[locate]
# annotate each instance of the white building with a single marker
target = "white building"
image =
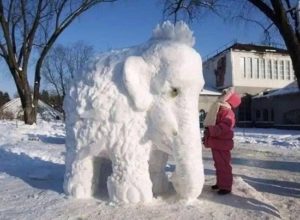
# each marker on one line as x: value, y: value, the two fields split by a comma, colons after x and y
x: 249, y: 68
x: 252, y: 70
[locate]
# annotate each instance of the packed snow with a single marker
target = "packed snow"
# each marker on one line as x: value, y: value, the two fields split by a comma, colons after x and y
x: 265, y: 164
x: 137, y: 107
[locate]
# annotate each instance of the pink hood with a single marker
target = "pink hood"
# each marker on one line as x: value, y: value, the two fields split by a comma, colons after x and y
x: 234, y: 100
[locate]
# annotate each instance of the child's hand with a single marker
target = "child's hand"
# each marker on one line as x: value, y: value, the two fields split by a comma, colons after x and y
x: 205, y: 136
x: 206, y: 132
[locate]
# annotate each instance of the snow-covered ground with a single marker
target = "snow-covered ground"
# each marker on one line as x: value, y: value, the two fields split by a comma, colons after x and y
x: 266, y: 164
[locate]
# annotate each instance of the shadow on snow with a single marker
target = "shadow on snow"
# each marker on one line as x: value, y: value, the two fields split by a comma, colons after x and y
x: 278, y: 187
x: 282, y: 188
x: 268, y: 164
x: 56, y: 139
x: 237, y: 201
x: 37, y: 173
x: 265, y: 164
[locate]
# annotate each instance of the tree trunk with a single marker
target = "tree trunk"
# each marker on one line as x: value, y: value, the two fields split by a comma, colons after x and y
x: 295, y: 56
x: 28, y: 107
x: 289, y: 36
x: 277, y: 14
x: 29, y: 110
x: 29, y: 116
x: 292, y: 44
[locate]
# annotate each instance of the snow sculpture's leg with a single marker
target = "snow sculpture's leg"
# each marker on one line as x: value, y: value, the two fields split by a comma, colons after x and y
x: 157, y: 163
x: 130, y: 181
x: 79, y: 179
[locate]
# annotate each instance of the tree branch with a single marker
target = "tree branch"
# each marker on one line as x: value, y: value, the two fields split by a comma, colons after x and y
x: 64, y: 24
x: 27, y: 43
x: 264, y: 8
x: 11, y: 59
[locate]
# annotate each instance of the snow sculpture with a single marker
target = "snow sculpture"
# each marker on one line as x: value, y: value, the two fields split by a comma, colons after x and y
x: 136, y: 107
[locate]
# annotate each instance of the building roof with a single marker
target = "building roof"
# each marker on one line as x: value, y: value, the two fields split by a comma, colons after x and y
x: 210, y: 91
x: 257, y: 48
x: 251, y: 90
x: 289, y: 89
x: 250, y: 48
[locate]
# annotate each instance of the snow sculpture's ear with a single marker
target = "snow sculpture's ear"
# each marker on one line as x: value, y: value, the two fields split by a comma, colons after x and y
x: 137, y: 77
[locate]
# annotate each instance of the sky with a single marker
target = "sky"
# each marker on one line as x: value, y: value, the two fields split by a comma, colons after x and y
x: 130, y: 22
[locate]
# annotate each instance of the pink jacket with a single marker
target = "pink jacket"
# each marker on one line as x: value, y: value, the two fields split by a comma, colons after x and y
x: 220, y: 136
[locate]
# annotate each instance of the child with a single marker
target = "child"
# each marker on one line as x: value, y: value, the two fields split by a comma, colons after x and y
x: 218, y: 135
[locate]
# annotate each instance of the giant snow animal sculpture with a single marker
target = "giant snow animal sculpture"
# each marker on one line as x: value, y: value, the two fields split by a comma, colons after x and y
x: 136, y: 107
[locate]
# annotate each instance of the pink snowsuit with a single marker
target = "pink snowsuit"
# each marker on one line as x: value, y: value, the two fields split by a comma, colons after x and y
x: 219, y: 138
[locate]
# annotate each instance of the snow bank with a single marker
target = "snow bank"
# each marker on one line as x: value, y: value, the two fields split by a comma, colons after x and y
x: 44, y: 111
x: 269, y: 139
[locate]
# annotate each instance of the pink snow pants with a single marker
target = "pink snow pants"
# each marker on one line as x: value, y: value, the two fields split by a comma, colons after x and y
x: 222, y: 159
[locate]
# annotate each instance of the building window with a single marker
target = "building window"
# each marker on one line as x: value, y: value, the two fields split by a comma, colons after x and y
x: 243, y: 66
x: 275, y: 69
x: 288, y: 69
x: 244, y: 110
x: 269, y: 69
x: 249, y: 67
x: 281, y: 69
x: 256, y: 67
x: 265, y: 115
x: 263, y: 68
x: 272, y: 115
x: 257, y: 114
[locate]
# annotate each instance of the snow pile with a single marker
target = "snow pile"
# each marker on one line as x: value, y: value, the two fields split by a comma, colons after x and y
x: 45, y: 111
x: 136, y: 107
x: 289, y: 89
x: 44, y: 140
x: 269, y: 138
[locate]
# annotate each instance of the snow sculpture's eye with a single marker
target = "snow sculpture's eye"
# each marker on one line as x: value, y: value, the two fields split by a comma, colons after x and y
x: 174, y: 92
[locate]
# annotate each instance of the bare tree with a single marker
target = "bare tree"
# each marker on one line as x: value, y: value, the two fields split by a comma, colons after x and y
x: 31, y: 27
x: 190, y: 9
x: 4, y: 98
x: 282, y: 14
x: 63, y: 63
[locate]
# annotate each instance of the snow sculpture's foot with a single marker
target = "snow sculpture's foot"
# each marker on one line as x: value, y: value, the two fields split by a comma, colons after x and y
x: 130, y: 182
x: 78, y: 182
x: 125, y: 192
x: 186, y: 189
x: 80, y: 192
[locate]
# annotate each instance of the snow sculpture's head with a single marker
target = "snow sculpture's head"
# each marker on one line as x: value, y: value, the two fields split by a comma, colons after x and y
x: 142, y: 106
x: 166, y: 79
x: 167, y: 68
